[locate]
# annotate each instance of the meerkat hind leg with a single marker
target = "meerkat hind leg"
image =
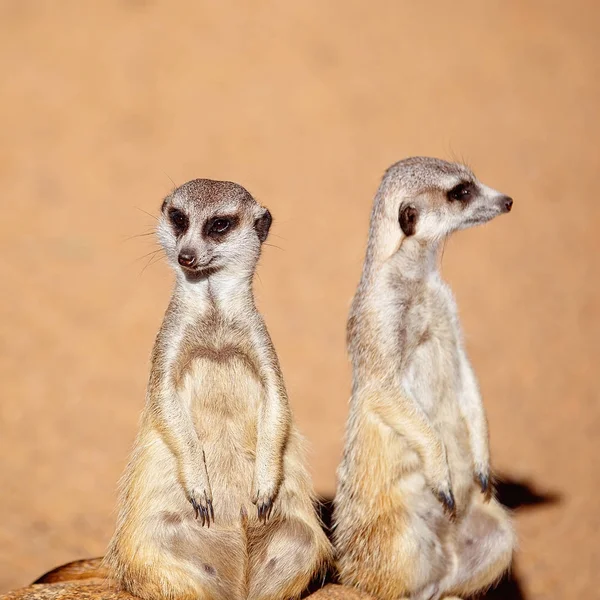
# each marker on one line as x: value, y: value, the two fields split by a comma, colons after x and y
x: 484, y: 545
x: 284, y: 557
x: 212, y: 559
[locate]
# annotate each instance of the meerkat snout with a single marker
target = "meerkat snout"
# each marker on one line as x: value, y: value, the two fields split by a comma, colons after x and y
x: 187, y: 258
x: 507, y: 203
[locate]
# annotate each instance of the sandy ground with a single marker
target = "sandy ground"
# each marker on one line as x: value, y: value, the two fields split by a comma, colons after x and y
x: 305, y: 103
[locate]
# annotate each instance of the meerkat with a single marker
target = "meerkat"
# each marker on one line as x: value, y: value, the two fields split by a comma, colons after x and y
x: 414, y: 514
x: 216, y: 502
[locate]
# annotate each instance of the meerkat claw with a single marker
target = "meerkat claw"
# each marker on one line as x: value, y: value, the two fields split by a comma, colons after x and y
x: 485, y: 484
x: 447, y: 500
x: 211, y: 509
x: 264, y: 510
x: 195, y: 506
x: 202, y: 512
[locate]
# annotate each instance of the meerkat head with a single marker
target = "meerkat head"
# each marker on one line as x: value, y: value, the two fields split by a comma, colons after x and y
x: 427, y: 199
x: 209, y: 226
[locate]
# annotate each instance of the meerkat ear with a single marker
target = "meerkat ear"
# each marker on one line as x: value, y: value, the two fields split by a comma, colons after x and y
x: 408, y: 220
x: 263, y: 224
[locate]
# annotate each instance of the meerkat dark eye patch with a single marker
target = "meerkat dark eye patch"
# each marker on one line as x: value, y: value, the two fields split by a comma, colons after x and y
x: 218, y: 227
x: 408, y: 220
x: 179, y: 221
x: 463, y: 192
x: 262, y: 225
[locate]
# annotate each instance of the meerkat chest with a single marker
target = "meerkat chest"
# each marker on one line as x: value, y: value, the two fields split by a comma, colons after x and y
x: 219, y: 380
x: 431, y: 373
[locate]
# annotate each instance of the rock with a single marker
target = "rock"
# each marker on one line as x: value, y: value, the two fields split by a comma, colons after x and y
x: 78, y: 589
x: 88, y: 568
x: 88, y: 580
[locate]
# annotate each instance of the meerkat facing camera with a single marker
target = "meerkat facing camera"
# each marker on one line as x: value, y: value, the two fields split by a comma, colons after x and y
x: 414, y: 512
x: 216, y: 434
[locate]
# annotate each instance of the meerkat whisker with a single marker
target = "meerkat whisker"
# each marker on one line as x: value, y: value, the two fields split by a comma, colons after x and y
x: 139, y: 235
x: 153, y: 260
x: 151, y: 253
x: 274, y: 246
x: 171, y: 180
x: 146, y: 213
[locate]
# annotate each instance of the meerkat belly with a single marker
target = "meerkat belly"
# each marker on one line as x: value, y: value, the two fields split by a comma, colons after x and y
x: 429, y: 376
x: 433, y: 380
x: 224, y: 399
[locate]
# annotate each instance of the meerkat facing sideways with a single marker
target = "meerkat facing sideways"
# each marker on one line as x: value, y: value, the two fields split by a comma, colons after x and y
x: 216, y: 433
x: 414, y: 512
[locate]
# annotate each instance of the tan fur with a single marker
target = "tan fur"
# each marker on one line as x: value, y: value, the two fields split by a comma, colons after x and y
x: 216, y: 431
x: 409, y: 518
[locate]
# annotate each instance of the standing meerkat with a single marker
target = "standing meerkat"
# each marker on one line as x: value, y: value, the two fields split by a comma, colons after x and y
x: 414, y: 513
x: 216, y: 435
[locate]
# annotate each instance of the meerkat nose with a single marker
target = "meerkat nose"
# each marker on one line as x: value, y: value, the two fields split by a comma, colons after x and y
x: 508, y: 202
x: 187, y: 259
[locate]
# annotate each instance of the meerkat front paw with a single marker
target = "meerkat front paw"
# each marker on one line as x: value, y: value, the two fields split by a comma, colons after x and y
x: 198, y: 489
x: 438, y: 476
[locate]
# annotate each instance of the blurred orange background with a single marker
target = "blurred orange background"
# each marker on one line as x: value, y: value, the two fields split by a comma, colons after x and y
x: 104, y: 104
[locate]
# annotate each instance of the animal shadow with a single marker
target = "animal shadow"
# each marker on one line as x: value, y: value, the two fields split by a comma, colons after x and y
x: 515, y: 495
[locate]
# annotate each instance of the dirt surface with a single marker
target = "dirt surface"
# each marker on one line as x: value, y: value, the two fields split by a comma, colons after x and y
x: 304, y: 103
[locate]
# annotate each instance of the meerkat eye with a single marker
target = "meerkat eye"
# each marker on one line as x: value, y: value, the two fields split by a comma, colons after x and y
x: 217, y: 227
x: 462, y: 192
x: 220, y: 226
x: 179, y: 220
